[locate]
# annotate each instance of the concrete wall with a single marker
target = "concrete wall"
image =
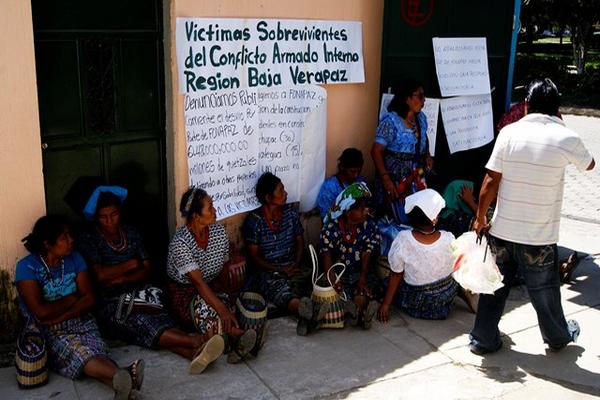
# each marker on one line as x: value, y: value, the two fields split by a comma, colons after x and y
x: 352, y: 108
x: 21, y: 180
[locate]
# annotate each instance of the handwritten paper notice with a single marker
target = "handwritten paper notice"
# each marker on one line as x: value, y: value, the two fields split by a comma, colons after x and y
x: 228, y: 53
x: 462, y: 66
x: 467, y: 121
x: 235, y: 135
x: 431, y: 111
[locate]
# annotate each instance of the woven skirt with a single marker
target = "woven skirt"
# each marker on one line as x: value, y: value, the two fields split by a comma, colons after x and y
x: 430, y: 301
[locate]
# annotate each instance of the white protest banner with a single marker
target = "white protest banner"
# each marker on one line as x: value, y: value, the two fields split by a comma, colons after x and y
x: 462, y: 66
x: 386, y: 99
x: 229, y: 53
x: 235, y: 135
x: 431, y: 111
x: 467, y: 121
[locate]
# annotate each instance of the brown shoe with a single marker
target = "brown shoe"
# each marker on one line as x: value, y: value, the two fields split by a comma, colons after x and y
x: 206, y: 354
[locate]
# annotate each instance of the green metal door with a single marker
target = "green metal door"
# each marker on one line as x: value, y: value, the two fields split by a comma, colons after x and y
x: 409, y: 26
x: 100, y: 90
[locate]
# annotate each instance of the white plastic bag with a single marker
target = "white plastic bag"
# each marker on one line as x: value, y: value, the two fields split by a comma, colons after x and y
x: 475, y: 267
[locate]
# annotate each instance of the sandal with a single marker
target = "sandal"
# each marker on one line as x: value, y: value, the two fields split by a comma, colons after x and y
x: 351, y: 313
x: 567, y: 268
x: 305, y: 314
x: 206, y: 354
x: 245, y: 343
x: 136, y: 371
x: 122, y: 385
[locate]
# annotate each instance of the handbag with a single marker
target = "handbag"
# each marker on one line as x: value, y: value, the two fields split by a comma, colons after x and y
x: 252, y: 314
x: 145, y: 300
x: 326, y: 295
x: 31, y: 358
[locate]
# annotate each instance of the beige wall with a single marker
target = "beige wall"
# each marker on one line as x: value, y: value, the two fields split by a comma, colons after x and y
x: 352, y: 108
x: 21, y: 180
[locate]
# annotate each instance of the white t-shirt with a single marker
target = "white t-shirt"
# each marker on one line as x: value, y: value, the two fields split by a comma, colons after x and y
x: 421, y: 263
x: 531, y: 154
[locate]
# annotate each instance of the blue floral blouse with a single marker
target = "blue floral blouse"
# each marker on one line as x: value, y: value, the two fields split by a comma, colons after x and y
x: 396, y: 137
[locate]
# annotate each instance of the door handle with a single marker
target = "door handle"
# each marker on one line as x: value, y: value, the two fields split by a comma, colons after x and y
x: 44, y: 146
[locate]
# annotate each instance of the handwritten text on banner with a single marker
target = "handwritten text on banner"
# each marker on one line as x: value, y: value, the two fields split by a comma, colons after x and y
x: 235, y: 135
x: 228, y: 53
x: 467, y: 121
x: 462, y: 66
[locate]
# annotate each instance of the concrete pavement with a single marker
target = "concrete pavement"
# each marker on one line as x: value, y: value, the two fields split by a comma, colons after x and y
x: 407, y: 358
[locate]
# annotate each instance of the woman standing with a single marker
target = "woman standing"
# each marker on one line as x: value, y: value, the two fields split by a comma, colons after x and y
x: 400, y: 152
x: 349, y: 236
x: 196, y: 256
x: 121, y: 266
x: 54, y: 288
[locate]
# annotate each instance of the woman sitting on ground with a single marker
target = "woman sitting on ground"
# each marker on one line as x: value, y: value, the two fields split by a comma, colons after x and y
x: 275, y: 246
x: 196, y: 256
x: 350, y: 164
x: 55, y: 290
x: 421, y: 261
x: 350, y: 237
x: 121, y: 267
x: 460, y: 207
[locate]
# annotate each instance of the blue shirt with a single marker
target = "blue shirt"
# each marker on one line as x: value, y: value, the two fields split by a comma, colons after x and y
x: 31, y: 268
x: 330, y: 190
x: 396, y: 137
x: 277, y: 247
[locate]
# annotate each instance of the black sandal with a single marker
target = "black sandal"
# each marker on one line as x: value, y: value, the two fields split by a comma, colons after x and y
x: 136, y: 370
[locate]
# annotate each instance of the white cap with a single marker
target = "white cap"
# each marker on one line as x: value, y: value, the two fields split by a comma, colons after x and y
x: 428, y: 200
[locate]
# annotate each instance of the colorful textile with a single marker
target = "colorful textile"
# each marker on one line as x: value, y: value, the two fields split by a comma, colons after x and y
x: 185, y: 255
x: 54, y: 285
x: 138, y: 328
x: 89, y: 211
x: 96, y: 251
x: 346, y: 199
x: 396, y: 137
x: 329, y: 191
x: 455, y: 204
x: 204, y: 317
x: 276, y: 247
x: 431, y: 301
x: 72, y: 343
x: 278, y: 289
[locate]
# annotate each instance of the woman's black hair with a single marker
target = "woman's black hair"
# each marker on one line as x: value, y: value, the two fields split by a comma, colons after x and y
x: 351, y: 158
x: 542, y: 97
x: 405, y: 89
x: 417, y: 218
x: 361, y: 202
x: 266, y: 185
x: 107, y: 199
x: 46, y: 229
x: 192, y: 202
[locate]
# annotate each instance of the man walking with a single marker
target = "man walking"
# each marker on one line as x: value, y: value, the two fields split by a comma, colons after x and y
x: 526, y: 174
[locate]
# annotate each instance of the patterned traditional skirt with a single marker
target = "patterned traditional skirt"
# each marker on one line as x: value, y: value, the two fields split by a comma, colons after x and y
x: 72, y: 343
x: 279, y: 289
x: 192, y: 311
x: 399, y: 166
x: 431, y: 301
x: 138, y: 328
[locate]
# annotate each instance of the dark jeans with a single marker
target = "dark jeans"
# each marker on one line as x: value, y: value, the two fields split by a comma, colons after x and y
x: 539, y: 268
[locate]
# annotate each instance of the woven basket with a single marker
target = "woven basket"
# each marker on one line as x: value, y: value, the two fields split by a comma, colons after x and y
x: 252, y: 314
x: 31, y: 360
x: 327, y: 295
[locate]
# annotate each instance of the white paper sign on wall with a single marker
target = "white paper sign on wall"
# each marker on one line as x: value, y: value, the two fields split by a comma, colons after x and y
x: 467, y: 121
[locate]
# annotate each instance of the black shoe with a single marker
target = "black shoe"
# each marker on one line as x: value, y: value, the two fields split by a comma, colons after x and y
x: 478, y: 350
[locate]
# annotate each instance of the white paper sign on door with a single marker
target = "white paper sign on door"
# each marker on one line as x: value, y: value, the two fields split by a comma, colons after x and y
x: 467, y: 121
